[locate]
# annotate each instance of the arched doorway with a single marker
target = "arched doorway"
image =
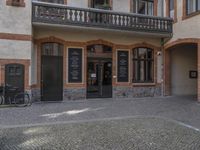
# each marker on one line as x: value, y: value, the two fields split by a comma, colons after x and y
x: 52, y: 72
x: 181, y: 72
x: 99, y: 71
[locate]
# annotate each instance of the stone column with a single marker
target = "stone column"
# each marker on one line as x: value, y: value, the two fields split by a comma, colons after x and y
x: 198, y: 69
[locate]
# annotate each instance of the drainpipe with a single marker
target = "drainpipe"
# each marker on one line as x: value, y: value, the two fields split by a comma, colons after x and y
x: 162, y: 42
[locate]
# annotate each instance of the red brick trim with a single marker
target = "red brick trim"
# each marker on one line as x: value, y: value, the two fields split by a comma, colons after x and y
x: 181, y: 41
x: 19, y: 3
x: 25, y: 62
x: 100, y: 41
x: 155, y: 13
x: 20, y: 37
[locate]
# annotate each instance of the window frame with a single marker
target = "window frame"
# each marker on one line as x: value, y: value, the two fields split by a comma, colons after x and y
x: 64, y: 2
x: 185, y: 15
x: 136, y: 7
x: 91, y: 4
x: 196, y: 8
x: 146, y: 70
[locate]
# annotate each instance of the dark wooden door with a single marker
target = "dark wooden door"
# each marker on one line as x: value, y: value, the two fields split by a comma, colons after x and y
x: 52, y: 78
x: 14, y: 76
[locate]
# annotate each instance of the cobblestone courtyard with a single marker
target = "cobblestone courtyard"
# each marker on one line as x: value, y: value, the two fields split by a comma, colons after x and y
x: 170, y: 123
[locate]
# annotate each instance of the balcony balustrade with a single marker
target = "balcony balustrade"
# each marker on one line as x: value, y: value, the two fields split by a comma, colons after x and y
x: 89, y: 17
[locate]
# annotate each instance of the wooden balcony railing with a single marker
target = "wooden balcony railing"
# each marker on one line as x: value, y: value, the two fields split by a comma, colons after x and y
x: 65, y: 15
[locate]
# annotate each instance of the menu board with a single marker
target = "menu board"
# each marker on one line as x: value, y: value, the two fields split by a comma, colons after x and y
x: 74, y: 65
x: 122, y: 66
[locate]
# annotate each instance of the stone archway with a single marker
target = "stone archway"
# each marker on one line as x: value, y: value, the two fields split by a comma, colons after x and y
x: 181, y: 63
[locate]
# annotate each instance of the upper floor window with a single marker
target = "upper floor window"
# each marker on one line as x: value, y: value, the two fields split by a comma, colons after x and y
x: 192, y: 6
x: 143, y: 65
x: 171, y: 9
x: 145, y: 7
x: 101, y: 4
x: 53, y: 1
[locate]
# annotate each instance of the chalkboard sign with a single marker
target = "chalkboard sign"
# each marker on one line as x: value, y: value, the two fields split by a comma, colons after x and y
x: 122, y: 66
x: 74, y: 65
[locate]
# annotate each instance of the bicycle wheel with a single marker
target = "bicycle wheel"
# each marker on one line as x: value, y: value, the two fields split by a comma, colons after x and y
x: 1, y: 100
x: 21, y: 100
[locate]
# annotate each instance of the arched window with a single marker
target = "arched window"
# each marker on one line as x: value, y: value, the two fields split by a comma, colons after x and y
x: 52, y: 49
x: 143, y: 65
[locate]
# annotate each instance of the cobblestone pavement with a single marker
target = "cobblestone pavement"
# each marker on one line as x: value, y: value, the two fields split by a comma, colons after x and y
x: 183, y: 109
x: 171, y: 123
x: 141, y: 133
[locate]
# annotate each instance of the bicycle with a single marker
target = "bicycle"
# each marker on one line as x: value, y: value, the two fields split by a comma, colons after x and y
x: 13, y: 96
x: 22, y: 99
x: 1, y: 95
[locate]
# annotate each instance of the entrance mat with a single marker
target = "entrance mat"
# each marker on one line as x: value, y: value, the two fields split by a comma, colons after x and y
x: 142, y: 133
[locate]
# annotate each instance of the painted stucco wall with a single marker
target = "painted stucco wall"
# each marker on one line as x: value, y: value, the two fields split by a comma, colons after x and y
x: 12, y: 49
x: 121, y: 5
x: 80, y: 35
x: 183, y: 59
x: 15, y: 20
x: 78, y: 3
x: 188, y: 28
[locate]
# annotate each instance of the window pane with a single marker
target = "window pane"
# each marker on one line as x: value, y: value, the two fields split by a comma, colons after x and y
x: 142, y: 7
x: 149, y: 71
x: 150, y: 8
x: 171, y: 5
x: 149, y: 54
x: 142, y: 53
x: 191, y: 6
x: 134, y: 6
x: 143, y: 65
x: 142, y: 71
x: 198, y: 4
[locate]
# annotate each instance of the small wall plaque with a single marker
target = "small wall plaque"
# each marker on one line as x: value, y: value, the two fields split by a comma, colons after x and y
x: 193, y: 74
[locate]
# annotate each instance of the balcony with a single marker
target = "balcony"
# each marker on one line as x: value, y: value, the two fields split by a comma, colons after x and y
x: 55, y: 14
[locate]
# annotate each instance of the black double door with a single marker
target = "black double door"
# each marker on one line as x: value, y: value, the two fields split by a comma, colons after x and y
x: 99, y: 78
x: 52, y: 78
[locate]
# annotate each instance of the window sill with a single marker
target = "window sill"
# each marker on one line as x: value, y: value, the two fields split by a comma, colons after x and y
x: 190, y: 15
x: 143, y: 84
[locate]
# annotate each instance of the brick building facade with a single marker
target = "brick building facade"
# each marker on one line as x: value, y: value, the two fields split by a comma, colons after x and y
x: 71, y: 50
